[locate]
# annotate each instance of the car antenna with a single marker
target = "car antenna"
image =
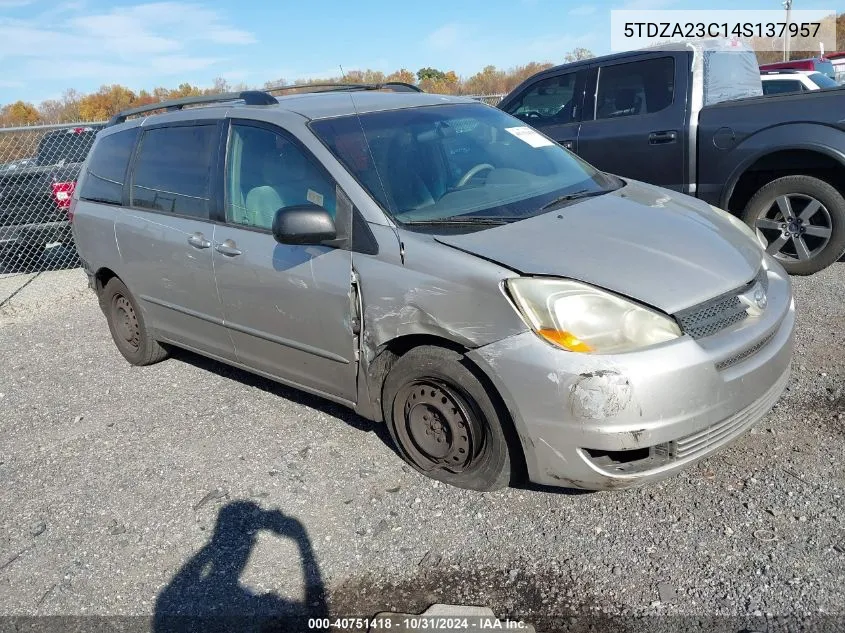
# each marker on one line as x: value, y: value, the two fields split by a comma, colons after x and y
x: 342, y: 74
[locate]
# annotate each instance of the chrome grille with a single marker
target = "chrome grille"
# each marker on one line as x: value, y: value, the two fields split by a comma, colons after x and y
x: 727, y: 429
x: 715, y: 315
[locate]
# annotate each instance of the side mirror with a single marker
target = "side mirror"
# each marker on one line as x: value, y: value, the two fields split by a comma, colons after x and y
x: 303, y: 224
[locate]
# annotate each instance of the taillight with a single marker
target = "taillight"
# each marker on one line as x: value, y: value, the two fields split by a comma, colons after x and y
x: 63, y: 194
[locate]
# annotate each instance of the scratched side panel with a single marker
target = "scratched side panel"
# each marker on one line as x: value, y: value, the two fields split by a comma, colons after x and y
x: 437, y: 291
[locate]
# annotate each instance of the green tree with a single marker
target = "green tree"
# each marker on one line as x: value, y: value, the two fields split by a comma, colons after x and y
x: 430, y: 73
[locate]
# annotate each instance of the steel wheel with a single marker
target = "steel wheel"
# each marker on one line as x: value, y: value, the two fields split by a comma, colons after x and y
x: 436, y: 427
x: 126, y: 321
x: 795, y: 227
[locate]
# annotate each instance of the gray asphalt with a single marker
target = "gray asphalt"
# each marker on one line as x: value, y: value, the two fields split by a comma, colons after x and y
x: 189, y: 486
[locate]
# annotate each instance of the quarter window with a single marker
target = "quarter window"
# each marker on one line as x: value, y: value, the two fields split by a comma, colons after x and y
x: 551, y: 100
x: 106, y: 170
x: 173, y: 170
x: 267, y: 172
x: 635, y: 88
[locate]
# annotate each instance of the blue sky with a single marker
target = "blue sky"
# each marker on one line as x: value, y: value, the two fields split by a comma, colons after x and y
x: 47, y: 47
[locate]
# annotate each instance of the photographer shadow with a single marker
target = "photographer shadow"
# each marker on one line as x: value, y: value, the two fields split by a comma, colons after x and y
x: 206, y: 594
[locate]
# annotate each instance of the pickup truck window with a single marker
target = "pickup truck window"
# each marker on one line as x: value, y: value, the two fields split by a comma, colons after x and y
x: 635, y: 88
x: 106, y: 170
x: 547, y: 101
x: 65, y: 146
x: 822, y: 81
x: 780, y: 86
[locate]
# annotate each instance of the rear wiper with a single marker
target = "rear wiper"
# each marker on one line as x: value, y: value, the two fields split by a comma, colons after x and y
x: 457, y: 220
x: 575, y: 195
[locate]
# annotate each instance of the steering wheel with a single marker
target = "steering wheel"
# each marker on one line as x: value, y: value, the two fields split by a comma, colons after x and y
x: 472, y: 172
x: 532, y: 114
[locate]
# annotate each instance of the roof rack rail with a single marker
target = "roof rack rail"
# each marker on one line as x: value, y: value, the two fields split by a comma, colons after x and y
x: 395, y: 86
x: 782, y: 71
x: 249, y: 97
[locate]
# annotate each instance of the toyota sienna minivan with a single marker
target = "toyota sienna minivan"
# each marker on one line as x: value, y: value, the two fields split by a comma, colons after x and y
x: 431, y: 262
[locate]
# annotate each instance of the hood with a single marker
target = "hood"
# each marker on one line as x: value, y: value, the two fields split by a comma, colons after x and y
x: 662, y: 248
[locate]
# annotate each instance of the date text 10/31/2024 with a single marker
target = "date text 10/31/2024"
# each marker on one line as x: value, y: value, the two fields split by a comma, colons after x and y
x: 418, y: 623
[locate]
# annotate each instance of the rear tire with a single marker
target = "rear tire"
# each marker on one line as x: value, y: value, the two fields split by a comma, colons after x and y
x: 444, y: 423
x: 813, y: 237
x: 126, y: 323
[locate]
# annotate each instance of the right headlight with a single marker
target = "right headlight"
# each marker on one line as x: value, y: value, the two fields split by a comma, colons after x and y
x: 582, y: 318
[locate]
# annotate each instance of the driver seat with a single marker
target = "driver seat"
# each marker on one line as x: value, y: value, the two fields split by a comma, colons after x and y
x: 408, y: 190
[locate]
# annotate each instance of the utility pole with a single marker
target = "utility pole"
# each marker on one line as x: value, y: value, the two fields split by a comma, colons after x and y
x: 787, y: 4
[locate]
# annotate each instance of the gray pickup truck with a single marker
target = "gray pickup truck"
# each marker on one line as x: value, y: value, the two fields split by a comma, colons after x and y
x: 691, y: 117
x: 35, y: 199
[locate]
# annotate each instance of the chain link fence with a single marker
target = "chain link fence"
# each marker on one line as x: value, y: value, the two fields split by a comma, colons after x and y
x: 488, y: 99
x: 38, y: 170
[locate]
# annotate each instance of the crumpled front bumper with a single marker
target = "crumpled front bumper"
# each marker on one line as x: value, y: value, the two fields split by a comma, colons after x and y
x: 619, y: 421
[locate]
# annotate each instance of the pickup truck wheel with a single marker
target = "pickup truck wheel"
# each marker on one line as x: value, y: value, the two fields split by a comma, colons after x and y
x: 443, y: 422
x: 803, y: 221
x: 126, y: 323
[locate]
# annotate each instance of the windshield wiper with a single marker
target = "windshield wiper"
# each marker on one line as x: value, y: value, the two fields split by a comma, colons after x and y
x: 469, y: 220
x: 575, y: 195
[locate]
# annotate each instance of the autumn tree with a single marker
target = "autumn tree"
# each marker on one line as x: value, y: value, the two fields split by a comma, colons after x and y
x: 19, y: 113
x: 404, y: 75
x: 106, y: 102
x: 447, y: 83
x: 490, y: 80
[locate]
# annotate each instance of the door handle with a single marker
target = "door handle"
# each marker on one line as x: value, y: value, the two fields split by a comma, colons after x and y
x: 197, y: 240
x: 568, y: 144
x: 660, y: 138
x: 228, y: 248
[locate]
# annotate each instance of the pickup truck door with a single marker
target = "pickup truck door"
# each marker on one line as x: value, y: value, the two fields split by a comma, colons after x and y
x: 552, y: 104
x: 634, y: 121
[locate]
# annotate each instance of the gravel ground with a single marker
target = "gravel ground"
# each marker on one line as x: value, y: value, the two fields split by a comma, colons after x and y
x: 189, y: 484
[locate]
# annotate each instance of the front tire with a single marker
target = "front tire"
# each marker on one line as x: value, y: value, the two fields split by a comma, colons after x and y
x: 126, y: 323
x: 803, y: 221
x: 444, y: 423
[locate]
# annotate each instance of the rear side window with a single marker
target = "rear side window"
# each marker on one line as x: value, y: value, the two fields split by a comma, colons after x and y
x: 635, y: 88
x: 172, y: 170
x: 107, y: 168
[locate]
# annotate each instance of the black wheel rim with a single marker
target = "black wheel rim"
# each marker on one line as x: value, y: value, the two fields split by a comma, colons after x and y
x: 437, y: 428
x: 796, y: 227
x: 126, y: 326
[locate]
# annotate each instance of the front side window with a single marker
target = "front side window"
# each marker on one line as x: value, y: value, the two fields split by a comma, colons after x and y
x: 635, y: 88
x: 266, y: 172
x: 173, y: 170
x: 457, y: 162
x: 107, y: 168
x: 551, y: 100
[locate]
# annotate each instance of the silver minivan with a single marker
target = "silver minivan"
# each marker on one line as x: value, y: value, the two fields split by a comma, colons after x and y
x: 433, y: 263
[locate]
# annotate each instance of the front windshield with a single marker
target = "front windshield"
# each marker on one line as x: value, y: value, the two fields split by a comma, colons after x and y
x: 822, y: 81
x: 457, y: 162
